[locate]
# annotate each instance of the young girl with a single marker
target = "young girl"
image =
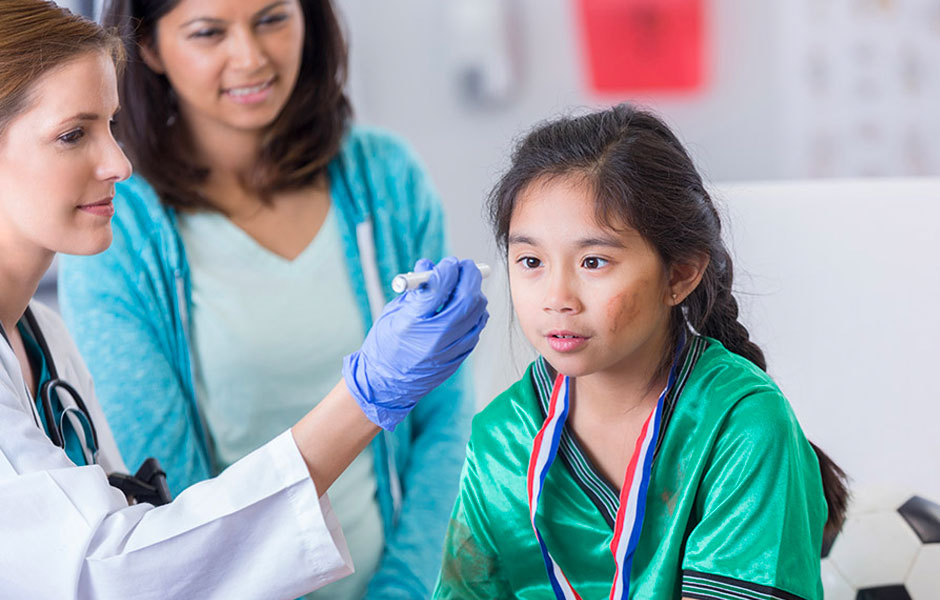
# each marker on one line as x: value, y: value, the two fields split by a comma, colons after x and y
x: 683, y: 471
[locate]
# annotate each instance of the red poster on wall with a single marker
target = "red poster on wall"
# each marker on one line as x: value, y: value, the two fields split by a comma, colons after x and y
x: 643, y: 45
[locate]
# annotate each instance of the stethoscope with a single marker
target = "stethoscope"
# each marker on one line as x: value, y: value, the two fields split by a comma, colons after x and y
x: 147, y: 485
x: 48, y: 391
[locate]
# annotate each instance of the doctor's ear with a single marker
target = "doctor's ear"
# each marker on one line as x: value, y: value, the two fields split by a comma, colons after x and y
x: 684, y: 277
x: 151, y: 56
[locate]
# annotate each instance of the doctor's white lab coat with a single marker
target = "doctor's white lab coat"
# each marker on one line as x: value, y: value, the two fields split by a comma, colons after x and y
x: 258, y: 530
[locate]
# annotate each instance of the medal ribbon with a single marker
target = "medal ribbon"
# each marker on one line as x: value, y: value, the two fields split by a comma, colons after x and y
x: 629, y: 521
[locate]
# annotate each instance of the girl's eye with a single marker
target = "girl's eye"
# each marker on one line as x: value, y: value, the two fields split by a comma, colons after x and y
x: 72, y: 137
x: 593, y: 262
x: 530, y: 262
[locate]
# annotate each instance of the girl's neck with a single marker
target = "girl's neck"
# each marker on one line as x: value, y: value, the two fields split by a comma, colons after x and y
x: 634, y: 383
x: 607, y: 416
x: 609, y: 408
x: 614, y: 397
x: 21, y: 268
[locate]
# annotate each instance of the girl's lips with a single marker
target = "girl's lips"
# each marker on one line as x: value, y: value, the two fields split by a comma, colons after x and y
x: 105, y: 208
x: 565, y: 341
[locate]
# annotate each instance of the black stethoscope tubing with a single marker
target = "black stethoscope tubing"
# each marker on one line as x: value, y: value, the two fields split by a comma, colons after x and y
x: 54, y: 383
x: 148, y: 485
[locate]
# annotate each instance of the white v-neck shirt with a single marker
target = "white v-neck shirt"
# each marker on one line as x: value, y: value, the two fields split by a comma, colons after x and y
x: 269, y: 336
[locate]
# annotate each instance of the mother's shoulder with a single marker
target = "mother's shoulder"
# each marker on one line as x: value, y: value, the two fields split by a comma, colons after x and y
x: 378, y: 154
x: 136, y: 200
x: 376, y: 142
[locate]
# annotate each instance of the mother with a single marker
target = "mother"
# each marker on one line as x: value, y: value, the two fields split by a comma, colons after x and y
x: 251, y: 253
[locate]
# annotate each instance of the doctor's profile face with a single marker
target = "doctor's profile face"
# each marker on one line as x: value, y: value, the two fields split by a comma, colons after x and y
x: 232, y: 65
x: 59, y: 161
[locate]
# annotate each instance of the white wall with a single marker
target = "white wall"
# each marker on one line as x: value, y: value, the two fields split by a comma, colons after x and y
x: 404, y: 78
x: 839, y: 285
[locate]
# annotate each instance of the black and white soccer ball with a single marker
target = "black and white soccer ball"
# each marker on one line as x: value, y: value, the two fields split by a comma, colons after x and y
x: 889, y: 549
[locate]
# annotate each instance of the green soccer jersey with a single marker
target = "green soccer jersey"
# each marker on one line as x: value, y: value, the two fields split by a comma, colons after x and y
x: 735, y: 506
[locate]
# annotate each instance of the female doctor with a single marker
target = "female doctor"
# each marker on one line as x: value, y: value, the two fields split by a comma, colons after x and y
x: 263, y: 528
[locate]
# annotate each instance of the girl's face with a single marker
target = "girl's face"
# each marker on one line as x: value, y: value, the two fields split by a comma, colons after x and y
x: 59, y: 161
x: 590, y: 299
x: 232, y: 64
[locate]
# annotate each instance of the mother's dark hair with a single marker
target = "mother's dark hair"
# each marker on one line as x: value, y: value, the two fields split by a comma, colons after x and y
x: 641, y: 176
x: 295, y: 148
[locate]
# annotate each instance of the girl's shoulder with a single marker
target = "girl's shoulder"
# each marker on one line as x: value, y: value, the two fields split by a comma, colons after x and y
x: 720, y: 366
x: 501, y: 439
x: 725, y: 390
x: 516, y: 411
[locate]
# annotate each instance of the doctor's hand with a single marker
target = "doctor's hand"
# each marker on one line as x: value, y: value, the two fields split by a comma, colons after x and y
x: 418, y: 341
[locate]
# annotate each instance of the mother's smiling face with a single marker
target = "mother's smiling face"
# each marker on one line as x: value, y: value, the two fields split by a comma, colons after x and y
x: 232, y: 65
x: 59, y: 161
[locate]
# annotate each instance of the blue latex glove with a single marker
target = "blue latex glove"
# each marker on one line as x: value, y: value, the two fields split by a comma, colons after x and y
x: 418, y: 341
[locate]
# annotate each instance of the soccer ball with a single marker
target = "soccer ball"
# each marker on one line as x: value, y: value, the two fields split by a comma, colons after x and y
x: 889, y: 549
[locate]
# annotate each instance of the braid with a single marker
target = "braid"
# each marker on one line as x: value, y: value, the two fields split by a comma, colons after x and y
x: 712, y: 310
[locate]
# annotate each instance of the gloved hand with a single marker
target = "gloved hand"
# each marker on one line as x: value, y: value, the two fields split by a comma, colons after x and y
x: 418, y: 341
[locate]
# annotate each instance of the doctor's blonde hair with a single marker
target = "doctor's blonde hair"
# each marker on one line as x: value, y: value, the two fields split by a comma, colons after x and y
x: 37, y: 36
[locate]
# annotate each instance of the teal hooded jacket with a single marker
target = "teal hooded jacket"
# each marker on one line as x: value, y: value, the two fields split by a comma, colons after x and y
x: 128, y: 311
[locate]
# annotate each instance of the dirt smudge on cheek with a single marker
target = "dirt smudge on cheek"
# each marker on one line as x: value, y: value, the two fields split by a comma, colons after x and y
x: 622, y: 310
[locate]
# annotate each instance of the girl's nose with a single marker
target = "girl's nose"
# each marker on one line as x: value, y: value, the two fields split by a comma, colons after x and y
x: 562, y: 294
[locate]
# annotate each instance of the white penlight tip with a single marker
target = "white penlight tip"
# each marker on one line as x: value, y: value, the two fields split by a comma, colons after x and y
x: 411, y: 281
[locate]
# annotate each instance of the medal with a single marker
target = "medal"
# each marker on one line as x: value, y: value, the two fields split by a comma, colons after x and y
x: 629, y: 521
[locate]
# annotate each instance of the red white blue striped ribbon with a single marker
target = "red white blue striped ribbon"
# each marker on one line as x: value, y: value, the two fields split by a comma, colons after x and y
x: 629, y: 521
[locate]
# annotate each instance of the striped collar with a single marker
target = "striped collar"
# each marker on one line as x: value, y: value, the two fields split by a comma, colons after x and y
x: 603, y: 493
